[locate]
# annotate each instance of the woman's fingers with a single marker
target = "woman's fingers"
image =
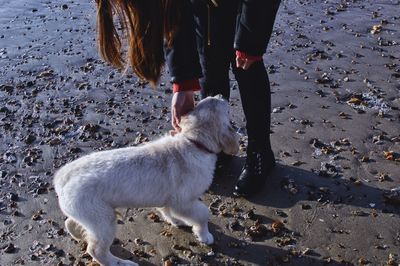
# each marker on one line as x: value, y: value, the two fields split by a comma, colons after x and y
x: 176, y: 119
x: 182, y: 103
x: 247, y: 64
x: 239, y: 62
x: 244, y: 63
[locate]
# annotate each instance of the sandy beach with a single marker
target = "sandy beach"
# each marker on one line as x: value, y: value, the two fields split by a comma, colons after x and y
x: 333, y: 199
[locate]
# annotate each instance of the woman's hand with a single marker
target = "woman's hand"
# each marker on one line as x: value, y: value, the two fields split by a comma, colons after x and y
x: 244, y: 60
x: 182, y: 103
x: 244, y: 63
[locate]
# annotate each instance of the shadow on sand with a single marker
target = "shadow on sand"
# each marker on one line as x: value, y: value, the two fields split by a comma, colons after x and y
x: 309, y: 185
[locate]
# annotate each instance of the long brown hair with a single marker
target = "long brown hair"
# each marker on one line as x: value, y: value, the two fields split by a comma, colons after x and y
x: 144, y: 24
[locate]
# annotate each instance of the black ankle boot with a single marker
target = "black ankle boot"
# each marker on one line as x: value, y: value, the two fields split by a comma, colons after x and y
x: 222, y: 163
x: 254, y: 173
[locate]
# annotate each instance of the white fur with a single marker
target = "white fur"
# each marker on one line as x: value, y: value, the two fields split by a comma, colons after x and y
x: 170, y: 173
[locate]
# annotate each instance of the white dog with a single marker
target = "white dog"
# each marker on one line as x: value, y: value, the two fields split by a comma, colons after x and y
x: 170, y: 173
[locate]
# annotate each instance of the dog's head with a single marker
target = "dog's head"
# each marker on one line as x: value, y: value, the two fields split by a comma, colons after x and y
x: 209, y: 123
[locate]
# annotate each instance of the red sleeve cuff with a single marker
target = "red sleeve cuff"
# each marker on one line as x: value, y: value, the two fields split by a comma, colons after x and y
x: 243, y: 55
x: 186, y: 85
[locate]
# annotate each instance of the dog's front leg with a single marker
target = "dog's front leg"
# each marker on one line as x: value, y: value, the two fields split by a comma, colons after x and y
x: 195, y: 214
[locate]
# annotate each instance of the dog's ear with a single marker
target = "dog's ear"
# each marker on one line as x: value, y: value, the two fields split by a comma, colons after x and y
x: 229, y: 141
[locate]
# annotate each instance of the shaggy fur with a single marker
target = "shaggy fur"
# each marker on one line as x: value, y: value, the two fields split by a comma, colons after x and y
x: 170, y: 173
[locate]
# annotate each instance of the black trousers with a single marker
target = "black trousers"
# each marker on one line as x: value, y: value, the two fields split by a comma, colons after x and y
x: 215, y: 29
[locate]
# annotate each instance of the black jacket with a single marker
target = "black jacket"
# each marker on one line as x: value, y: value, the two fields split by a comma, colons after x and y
x: 254, y: 24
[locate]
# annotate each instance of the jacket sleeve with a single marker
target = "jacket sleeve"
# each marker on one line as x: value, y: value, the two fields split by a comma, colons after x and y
x: 182, y: 57
x: 254, y: 25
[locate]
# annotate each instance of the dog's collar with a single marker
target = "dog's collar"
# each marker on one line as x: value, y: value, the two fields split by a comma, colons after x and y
x: 201, y: 146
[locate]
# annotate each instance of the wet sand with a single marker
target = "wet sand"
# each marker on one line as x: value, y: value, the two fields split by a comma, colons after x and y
x: 333, y: 199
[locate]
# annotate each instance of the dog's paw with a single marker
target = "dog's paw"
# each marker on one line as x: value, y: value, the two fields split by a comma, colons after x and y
x: 208, y: 239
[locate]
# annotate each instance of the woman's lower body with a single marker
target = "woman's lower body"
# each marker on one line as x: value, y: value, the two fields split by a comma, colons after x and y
x: 215, y: 28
